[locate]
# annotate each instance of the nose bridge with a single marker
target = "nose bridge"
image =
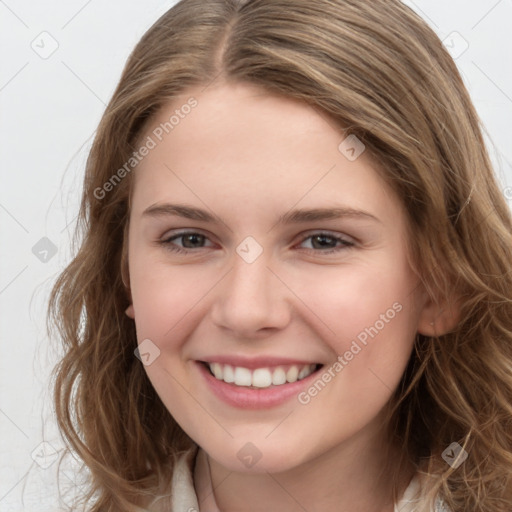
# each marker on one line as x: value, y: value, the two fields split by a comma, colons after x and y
x: 250, y: 279
x: 250, y: 297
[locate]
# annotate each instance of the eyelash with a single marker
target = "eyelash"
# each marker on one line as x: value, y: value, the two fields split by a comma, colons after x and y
x: 168, y: 244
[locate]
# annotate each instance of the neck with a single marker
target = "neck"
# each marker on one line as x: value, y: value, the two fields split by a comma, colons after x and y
x: 358, y: 477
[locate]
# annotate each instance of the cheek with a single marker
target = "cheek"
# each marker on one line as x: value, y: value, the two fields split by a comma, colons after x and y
x: 372, y: 318
x: 370, y: 323
x: 164, y: 295
x: 359, y: 302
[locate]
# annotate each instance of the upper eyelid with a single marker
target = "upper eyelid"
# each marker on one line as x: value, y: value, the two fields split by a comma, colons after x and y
x: 167, y: 235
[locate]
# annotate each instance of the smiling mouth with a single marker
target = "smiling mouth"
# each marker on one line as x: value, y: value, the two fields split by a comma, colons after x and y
x: 260, y: 378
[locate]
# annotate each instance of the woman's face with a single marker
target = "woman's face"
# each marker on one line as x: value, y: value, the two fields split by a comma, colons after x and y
x: 261, y: 250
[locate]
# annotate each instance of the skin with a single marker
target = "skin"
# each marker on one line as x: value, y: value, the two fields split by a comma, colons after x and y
x: 248, y: 157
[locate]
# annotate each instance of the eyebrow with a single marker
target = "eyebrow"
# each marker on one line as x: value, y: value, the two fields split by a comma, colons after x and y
x: 292, y: 217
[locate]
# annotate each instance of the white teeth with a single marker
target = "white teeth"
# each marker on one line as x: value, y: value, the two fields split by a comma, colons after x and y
x: 292, y: 374
x: 228, y: 375
x: 278, y: 377
x: 242, y: 376
x: 260, y: 377
x: 216, y: 368
x: 304, y: 372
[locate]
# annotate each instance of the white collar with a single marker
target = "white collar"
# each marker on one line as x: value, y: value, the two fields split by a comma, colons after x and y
x: 184, y: 498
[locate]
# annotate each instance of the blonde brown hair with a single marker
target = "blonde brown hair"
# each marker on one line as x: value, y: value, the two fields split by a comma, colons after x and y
x: 381, y: 73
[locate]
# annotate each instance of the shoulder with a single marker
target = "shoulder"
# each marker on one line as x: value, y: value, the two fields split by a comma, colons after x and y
x: 411, y: 499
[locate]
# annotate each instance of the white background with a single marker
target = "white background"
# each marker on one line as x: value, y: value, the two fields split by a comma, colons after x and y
x: 49, y: 109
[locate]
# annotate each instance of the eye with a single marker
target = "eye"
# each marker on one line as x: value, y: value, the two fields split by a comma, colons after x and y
x: 323, y: 242
x: 327, y: 242
x: 190, y: 240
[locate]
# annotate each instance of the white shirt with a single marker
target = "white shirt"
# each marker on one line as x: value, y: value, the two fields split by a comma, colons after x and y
x: 184, y: 498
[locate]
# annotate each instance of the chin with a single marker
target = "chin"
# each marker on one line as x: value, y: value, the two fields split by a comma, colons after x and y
x: 253, y: 457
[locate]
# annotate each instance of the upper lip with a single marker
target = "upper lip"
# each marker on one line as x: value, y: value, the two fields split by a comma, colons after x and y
x: 257, y: 362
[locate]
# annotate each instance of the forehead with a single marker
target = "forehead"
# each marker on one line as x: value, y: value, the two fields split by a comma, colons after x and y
x: 253, y: 148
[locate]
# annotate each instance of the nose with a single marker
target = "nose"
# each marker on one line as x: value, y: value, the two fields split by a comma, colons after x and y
x: 251, y: 300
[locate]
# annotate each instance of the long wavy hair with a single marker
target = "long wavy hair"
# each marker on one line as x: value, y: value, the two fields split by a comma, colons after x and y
x: 380, y: 73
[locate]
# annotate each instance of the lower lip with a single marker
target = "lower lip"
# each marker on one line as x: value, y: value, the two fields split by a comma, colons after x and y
x: 251, y: 398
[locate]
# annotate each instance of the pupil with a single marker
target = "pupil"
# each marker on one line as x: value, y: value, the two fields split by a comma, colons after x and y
x: 193, y: 238
x: 322, y: 239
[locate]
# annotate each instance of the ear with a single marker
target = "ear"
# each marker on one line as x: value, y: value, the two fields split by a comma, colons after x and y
x: 439, y: 317
x: 125, y: 274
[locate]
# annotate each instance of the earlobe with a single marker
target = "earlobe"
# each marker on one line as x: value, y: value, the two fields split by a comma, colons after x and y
x: 437, y: 319
x: 130, y: 312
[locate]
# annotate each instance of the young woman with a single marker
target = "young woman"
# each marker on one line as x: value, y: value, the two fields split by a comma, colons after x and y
x: 294, y: 287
